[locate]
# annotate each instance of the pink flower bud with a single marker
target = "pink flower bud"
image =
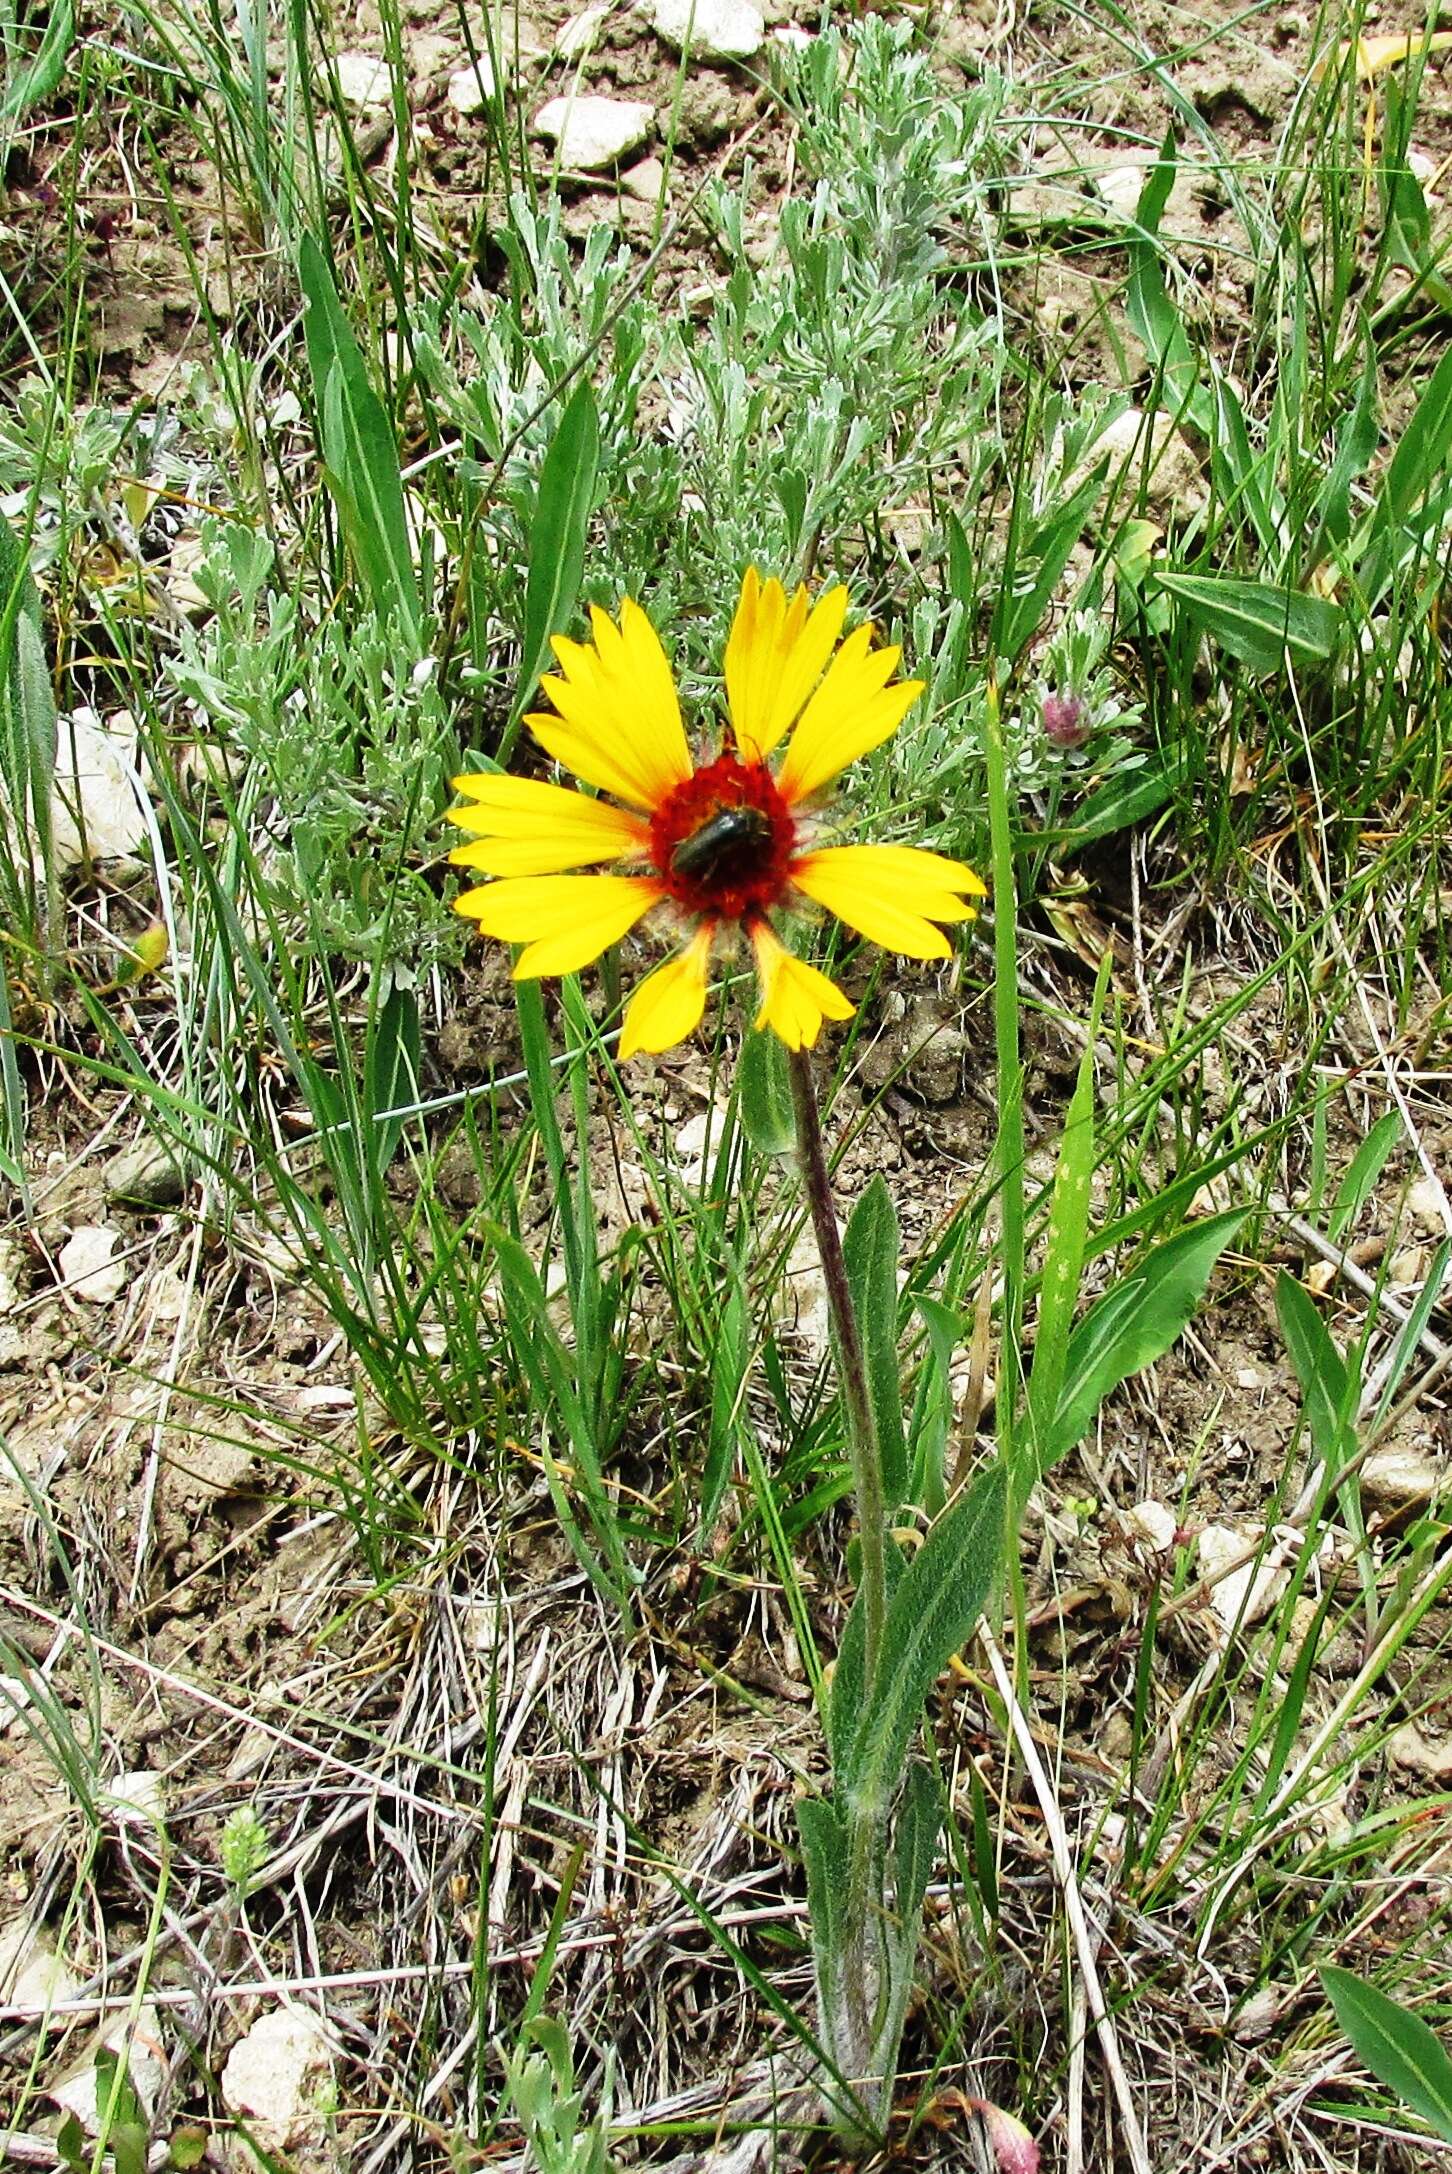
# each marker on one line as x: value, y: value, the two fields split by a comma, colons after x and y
x: 1063, y: 720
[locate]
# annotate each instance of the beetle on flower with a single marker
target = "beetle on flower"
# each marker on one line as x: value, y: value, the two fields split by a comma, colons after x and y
x: 723, y: 847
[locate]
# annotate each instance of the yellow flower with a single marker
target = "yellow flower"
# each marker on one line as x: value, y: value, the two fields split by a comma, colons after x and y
x: 724, y: 845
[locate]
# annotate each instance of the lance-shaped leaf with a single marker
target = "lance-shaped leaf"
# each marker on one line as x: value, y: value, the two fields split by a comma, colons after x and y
x: 557, y: 537
x: 1132, y: 1325
x: 1401, y: 2050
x: 870, y: 1250
x: 931, y: 1613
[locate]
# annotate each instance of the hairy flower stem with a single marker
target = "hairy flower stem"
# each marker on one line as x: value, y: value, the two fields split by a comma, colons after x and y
x: 851, y: 1364
x: 852, y: 2034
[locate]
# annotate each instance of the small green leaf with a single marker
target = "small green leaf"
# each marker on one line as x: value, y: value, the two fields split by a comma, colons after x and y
x: 1132, y: 1325
x: 1121, y: 802
x: 187, y: 2149
x: 360, y: 454
x: 1257, y: 623
x: 557, y: 537
x: 870, y: 1251
x: 391, y: 1071
x: 1401, y: 2050
x: 914, y: 1852
x: 1359, y: 1183
x: 767, y: 1116
x: 824, y: 1852
x: 32, y: 85
x: 1068, y: 1228
x: 1320, y: 1368
x: 931, y: 1613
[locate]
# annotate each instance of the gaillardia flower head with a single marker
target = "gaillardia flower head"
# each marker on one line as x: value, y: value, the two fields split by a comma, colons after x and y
x: 722, y: 847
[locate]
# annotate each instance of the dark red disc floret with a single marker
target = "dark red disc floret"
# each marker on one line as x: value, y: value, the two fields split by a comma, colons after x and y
x: 750, y: 877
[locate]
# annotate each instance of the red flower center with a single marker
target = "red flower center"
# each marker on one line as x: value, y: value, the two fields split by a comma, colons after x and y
x: 723, y: 840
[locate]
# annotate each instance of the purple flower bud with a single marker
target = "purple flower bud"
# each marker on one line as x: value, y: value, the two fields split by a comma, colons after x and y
x: 1063, y: 720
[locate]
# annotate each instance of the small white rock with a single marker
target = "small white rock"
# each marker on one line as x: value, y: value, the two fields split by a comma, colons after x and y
x: 1415, y: 1753
x: 87, y: 1269
x: 1397, y: 1478
x: 363, y: 80
x: 273, y: 2073
x: 1427, y: 1204
x: 470, y: 89
x: 591, y: 132
x: 1248, y: 1377
x: 1239, y: 1597
x: 138, y: 1798
x: 145, y: 2057
x: 9, y: 1288
x: 581, y: 33
x: 644, y: 182
x: 1408, y: 1267
x: 1154, y: 1524
x: 95, y: 809
x: 32, y: 1975
x: 713, y: 29
x: 792, y: 36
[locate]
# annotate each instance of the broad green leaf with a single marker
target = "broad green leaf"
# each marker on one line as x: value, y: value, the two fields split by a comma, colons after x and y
x: 360, y: 455
x: 391, y: 1071
x: 1132, y: 1325
x: 1400, y: 2049
x: 1320, y: 1368
x: 1366, y: 1166
x: 33, y: 84
x: 846, y: 1711
x: 1257, y: 623
x: 1152, y: 313
x: 1420, y: 460
x: 767, y: 1116
x: 824, y: 1852
x: 937, y: 1601
x: 1125, y: 800
x: 557, y: 536
x: 870, y: 1250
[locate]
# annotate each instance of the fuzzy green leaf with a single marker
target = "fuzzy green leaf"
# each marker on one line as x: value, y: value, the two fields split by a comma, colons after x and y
x: 870, y: 1251
x: 767, y: 1116
x: 931, y: 1613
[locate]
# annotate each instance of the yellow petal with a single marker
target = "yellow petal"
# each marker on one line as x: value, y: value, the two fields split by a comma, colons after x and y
x: 776, y: 653
x: 913, y: 867
x: 852, y: 711
x: 668, y: 1004
x: 528, y: 828
x: 1373, y: 54
x: 795, y: 998
x: 563, y: 921
x: 619, y: 724
x: 881, y: 892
